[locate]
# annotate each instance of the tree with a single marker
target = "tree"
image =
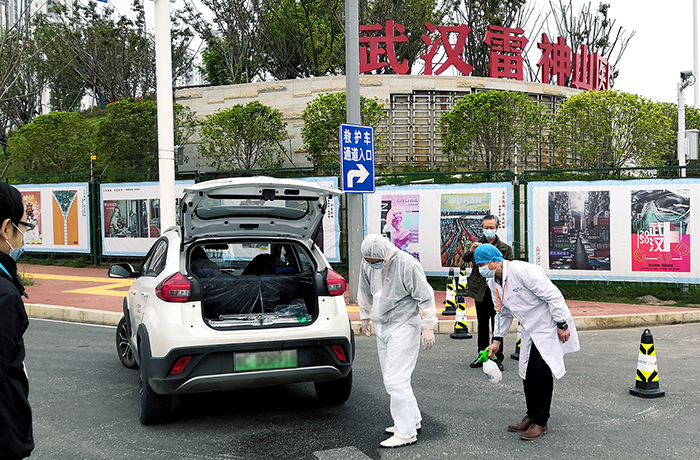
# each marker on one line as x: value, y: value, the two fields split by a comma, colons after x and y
x: 113, y: 56
x: 55, y: 143
x: 244, y: 137
x: 692, y: 121
x: 483, y: 129
x: 595, y: 29
x: 322, y: 118
x: 127, y: 137
x: 610, y: 129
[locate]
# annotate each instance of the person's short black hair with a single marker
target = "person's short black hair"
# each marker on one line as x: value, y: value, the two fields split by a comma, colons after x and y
x: 491, y: 217
x: 11, y: 206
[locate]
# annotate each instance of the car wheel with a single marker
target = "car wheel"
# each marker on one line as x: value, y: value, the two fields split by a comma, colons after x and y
x: 124, y: 348
x: 153, y: 407
x: 334, y: 391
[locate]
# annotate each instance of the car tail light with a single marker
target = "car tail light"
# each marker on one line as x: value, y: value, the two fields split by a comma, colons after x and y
x: 175, y: 288
x: 180, y: 365
x: 336, y: 283
x: 339, y: 352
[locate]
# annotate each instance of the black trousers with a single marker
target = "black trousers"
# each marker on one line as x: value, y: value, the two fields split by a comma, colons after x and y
x: 485, y: 314
x: 538, y: 385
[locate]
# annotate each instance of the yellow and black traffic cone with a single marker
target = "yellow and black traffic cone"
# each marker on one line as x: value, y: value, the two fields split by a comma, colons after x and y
x: 462, y: 281
x: 461, y: 327
x: 450, y: 295
x: 647, y: 384
x: 516, y: 354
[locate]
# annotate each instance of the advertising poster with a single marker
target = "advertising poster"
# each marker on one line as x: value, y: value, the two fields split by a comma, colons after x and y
x: 131, y: 216
x: 438, y: 223
x: 579, y: 230
x: 327, y: 236
x: 32, y: 205
x: 629, y: 231
x: 60, y: 213
x: 399, y: 221
x: 660, y: 238
x: 460, y: 224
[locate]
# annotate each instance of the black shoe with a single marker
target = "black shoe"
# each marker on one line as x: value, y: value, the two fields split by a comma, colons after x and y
x: 500, y: 365
x: 476, y: 363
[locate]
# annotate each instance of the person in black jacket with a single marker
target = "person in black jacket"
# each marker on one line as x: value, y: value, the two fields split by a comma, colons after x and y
x: 480, y: 292
x: 16, y: 438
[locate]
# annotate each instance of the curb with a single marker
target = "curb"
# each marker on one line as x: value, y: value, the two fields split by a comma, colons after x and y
x: 583, y: 323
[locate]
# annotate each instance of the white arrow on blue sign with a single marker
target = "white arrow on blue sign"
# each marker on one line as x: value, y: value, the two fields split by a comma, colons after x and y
x: 357, y: 158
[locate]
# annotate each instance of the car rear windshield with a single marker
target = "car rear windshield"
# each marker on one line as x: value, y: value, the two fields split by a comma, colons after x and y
x: 214, y: 208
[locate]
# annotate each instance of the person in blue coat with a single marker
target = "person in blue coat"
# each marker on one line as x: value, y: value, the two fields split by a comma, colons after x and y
x: 16, y: 437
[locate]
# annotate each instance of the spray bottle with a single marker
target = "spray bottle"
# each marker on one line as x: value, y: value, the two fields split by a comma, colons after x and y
x: 493, y: 373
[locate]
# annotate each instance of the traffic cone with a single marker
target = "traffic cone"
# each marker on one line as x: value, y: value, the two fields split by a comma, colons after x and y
x: 462, y: 281
x: 450, y: 294
x: 516, y: 354
x: 647, y: 384
x: 461, y: 328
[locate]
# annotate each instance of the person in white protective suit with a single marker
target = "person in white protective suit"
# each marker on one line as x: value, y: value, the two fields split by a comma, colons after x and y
x: 393, y: 292
x: 522, y: 290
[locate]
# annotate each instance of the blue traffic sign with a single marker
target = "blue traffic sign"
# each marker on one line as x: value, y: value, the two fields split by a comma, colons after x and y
x: 357, y: 158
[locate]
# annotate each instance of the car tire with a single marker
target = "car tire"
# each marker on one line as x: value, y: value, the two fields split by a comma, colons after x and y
x: 153, y: 407
x: 124, y: 348
x: 334, y: 392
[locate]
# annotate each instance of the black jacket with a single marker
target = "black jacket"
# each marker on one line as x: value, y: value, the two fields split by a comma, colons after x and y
x: 16, y: 438
x: 476, y: 287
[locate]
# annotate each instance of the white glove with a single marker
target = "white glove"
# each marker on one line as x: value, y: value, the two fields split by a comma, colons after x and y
x: 428, y: 338
x: 365, y: 328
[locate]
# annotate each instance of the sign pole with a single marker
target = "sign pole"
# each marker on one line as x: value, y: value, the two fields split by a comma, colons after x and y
x: 354, y: 201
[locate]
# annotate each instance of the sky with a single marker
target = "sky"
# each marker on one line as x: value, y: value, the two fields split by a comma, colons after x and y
x: 650, y: 67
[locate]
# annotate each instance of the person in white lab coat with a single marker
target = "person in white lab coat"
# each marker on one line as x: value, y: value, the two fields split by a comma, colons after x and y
x: 522, y: 290
x: 393, y: 292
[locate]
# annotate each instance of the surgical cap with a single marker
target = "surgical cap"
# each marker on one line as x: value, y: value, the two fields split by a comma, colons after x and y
x: 487, y: 253
x: 376, y: 247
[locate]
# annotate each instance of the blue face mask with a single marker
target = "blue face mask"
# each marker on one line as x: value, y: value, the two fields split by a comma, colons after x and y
x: 16, y: 252
x: 490, y: 234
x: 378, y: 265
x: 486, y: 273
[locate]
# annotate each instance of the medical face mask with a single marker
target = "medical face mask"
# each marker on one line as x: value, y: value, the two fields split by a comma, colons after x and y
x: 486, y: 273
x: 378, y: 265
x: 16, y: 252
x: 490, y: 234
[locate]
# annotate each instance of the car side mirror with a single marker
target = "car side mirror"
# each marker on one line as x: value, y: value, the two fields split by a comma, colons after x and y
x: 121, y: 270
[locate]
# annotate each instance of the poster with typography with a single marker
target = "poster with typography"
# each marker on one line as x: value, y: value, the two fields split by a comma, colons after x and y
x: 60, y: 213
x: 131, y: 216
x: 399, y: 221
x: 633, y: 230
x: 450, y: 219
x: 327, y: 236
x: 660, y: 237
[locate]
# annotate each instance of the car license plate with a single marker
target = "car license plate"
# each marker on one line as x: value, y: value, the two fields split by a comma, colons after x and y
x: 263, y: 360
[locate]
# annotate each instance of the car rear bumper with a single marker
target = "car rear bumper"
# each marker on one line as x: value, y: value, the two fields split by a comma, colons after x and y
x: 212, y: 367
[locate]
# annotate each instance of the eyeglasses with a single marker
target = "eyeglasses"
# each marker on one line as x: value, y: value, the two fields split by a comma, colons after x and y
x: 27, y: 226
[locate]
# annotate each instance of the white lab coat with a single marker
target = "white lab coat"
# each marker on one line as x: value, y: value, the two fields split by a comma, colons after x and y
x: 528, y: 294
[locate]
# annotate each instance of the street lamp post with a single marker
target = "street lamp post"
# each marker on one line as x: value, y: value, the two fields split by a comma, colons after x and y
x: 687, y: 79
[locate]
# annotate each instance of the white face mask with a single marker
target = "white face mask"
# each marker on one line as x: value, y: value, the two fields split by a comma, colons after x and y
x: 490, y: 234
x: 486, y: 273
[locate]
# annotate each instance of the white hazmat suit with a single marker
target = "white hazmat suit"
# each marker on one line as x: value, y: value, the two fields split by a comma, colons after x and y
x: 393, y: 295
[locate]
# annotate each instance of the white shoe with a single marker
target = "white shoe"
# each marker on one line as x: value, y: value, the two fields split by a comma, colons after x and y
x: 395, y: 441
x: 391, y: 430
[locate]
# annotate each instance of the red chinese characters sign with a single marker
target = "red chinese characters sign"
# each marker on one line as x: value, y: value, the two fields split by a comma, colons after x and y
x: 506, y: 45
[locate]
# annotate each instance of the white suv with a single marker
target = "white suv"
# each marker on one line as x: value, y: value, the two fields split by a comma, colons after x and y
x: 237, y: 296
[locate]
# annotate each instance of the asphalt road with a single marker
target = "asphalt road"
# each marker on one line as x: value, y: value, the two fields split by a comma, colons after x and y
x: 86, y: 406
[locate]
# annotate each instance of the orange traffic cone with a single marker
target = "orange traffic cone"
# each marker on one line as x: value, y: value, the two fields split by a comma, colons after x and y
x: 647, y: 384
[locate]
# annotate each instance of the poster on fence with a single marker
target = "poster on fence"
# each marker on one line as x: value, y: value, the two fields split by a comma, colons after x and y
x: 131, y: 216
x: 636, y: 230
x: 327, y: 236
x: 61, y: 217
x: 436, y: 223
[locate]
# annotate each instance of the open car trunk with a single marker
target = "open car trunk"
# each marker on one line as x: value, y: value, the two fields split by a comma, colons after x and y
x: 256, y: 284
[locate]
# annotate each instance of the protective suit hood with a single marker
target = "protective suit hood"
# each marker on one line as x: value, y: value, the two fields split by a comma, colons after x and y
x: 377, y: 247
